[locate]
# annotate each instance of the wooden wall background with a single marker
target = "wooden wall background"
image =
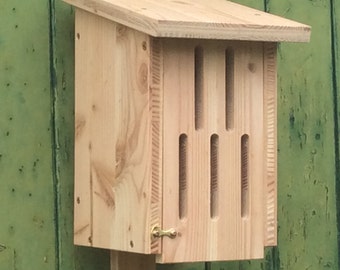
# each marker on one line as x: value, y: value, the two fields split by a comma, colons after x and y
x: 36, y: 141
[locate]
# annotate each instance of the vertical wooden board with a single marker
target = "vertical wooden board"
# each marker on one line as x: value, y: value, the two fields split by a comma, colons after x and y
x: 178, y: 75
x: 249, y: 80
x: 62, y: 64
x: 132, y: 261
x: 306, y: 143
x: 70, y: 256
x: 186, y: 156
x: 131, y: 147
x: 258, y: 4
x: 270, y: 143
x: 336, y: 72
x: 27, y: 207
x: 156, y: 109
x: 83, y: 197
x: 232, y: 228
x: 103, y: 160
x: 113, y: 141
x: 240, y: 220
x: 226, y: 218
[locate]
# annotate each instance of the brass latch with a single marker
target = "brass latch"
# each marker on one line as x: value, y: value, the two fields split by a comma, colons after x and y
x: 157, y: 232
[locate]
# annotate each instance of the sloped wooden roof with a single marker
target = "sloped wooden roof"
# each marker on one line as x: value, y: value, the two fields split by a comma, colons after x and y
x: 207, y: 19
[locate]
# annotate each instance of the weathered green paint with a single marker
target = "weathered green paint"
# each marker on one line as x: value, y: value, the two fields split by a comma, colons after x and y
x: 26, y: 182
x: 62, y: 54
x: 307, y: 201
x: 336, y: 96
x: 36, y: 141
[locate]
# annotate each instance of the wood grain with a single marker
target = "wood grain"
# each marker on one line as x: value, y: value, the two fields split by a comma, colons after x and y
x: 113, y: 145
x: 156, y: 102
x: 228, y: 235
x: 152, y: 112
x: 216, y: 19
x: 270, y: 137
x: 202, y: 138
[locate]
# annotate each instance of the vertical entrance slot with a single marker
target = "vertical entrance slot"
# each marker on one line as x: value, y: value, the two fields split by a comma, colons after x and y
x: 183, y: 144
x: 229, y: 89
x: 214, y: 145
x: 244, y: 175
x: 198, y: 87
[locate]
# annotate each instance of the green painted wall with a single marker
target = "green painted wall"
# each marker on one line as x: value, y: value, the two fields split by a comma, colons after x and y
x: 36, y: 141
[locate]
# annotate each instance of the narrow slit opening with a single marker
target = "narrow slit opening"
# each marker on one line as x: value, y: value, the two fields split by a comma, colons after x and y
x: 229, y: 88
x: 198, y: 87
x: 183, y: 144
x: 244, y: 175
x: 214, y: 149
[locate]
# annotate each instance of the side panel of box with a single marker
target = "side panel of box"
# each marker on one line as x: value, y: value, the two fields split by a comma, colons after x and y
x: 270, y: 137
x: 113, y: 142
x: 156, y: 109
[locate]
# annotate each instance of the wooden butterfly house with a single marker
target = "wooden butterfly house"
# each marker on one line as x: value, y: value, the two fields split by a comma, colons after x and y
x: 175, y: 127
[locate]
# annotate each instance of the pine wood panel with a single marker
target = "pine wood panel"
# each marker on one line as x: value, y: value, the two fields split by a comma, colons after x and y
x: 228, y: 235
x: 217, y: 19
x: 270, y: 137
x: 113, y: 141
